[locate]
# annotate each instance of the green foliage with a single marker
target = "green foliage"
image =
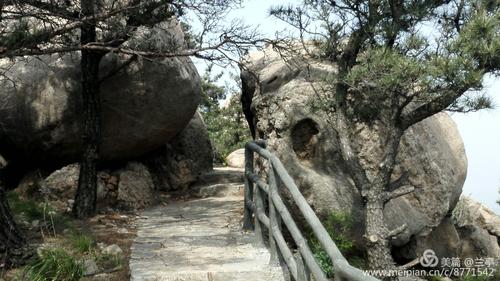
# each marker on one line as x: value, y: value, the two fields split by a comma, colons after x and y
x: 391, y: 59
x: 480, y: 40
x: 226, y: 125
x: 56, y: 265
x: 25, y: 208
x: 383, y: 73
x: 30, y: 210
x: 22, y: 35
x: 211, y: 94
x: 339, y: 226
x: 484, y: 277
x: 82, y: 243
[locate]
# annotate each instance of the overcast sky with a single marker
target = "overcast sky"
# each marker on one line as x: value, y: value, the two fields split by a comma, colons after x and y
x: 480, y: 130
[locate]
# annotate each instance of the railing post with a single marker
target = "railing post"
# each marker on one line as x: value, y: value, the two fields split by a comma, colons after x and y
x: 259, y: 208
x: 248, y: 213
x: 274, y: 219
x: 303, y: 273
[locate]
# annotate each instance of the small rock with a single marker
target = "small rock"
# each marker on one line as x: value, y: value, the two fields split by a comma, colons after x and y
x: 40, y: 249
x: 101, y: 190
x: 122, y: 230
x: 111, y: 187
x: 112, y: 250
x: 113, y: 180
x: 101, y: 245
x: 89, y: 267
x: 110, y: 225
x: 35, y: 223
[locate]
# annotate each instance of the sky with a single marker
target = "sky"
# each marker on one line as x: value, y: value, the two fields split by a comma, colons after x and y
x: 480, y: 130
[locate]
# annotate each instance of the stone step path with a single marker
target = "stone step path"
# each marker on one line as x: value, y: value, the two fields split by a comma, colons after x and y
x: 197, y: 240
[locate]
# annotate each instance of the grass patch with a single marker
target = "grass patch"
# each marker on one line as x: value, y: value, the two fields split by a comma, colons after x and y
x: 82, y: 243
x: 30, y: 210
x: 56, y: 265
x: 25, y: 208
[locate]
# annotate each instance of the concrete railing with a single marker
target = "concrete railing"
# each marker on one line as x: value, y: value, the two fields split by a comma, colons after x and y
x: 266, y: 211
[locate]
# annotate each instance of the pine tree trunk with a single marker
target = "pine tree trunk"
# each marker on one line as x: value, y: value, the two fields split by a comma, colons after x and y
x: 376, y: 233
x: 12, y: 242
x: 379, y: 252
x: 86, y: 195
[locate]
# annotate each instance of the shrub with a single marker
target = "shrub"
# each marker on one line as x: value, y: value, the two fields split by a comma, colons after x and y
x: 339, y: 226
x: 56, y: 265
x: 82, y: 243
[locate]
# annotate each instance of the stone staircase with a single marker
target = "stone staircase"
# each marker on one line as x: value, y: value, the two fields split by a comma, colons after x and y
x: 201, y: 239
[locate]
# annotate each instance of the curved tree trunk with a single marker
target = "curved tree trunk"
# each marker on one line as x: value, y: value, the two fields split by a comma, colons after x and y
x: 86, y: 194
x: 12, y: 242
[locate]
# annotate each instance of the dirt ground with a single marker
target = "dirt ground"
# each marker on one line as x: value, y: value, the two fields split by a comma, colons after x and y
x: 112, y: 227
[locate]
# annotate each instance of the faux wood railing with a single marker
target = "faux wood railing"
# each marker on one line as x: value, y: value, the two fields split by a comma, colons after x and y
x: 266, y: 211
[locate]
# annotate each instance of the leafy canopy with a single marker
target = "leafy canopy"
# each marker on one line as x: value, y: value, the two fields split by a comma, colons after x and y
x: 222, y: 112
x: 402, y: 60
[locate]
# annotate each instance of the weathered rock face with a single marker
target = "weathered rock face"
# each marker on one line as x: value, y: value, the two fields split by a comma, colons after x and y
x: 472, y: 231
x: 283, y: 109
x: 135, y: 187
x: 478, y: 228
x: 144, y: 104
x: 182, y: 160
x: 61, y: 185
x: 444, y: 240
x: 236, y: 159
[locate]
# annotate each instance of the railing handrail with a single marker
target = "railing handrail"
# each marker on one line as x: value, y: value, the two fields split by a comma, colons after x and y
x: 343, y: 270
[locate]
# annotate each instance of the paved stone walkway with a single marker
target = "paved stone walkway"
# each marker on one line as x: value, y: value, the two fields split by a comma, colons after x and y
x: 199, y: 240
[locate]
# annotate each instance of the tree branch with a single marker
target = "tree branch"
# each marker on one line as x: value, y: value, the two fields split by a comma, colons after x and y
x: 438, y: 104
x: 406, y: 189
x: 395, y: 232
x: 402, y: 180
x: 22, y: 48
x: 49, y: 7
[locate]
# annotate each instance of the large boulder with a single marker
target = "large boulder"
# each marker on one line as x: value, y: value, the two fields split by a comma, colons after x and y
x: 236, y: 159
x: 135, y: 187
x: 284, y: 98
x: 145, y: 102
x: 179, y: 163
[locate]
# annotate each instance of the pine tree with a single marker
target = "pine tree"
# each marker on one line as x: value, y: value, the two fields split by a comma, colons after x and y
x: 398, y: 63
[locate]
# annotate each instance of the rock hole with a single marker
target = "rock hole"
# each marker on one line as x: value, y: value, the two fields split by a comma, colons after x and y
x: 304, y: 138
x: 272, y: 80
